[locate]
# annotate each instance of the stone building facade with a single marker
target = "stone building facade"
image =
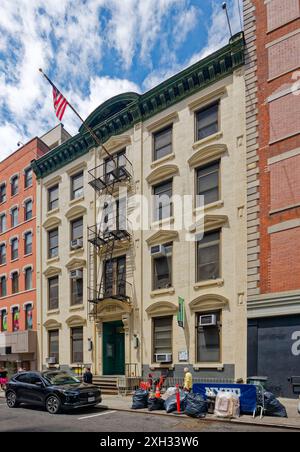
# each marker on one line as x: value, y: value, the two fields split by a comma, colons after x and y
x: 130, y: 299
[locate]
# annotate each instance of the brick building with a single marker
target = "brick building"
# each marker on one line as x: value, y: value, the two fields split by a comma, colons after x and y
x: 18, y: 323
x: 272, y: 33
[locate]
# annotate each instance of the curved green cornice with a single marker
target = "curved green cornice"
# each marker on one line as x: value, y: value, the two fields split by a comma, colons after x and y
x: 121, y: 113
x: 110, y: 108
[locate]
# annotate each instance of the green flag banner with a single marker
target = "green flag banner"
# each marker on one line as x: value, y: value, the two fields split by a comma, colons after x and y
x: 180, y: 315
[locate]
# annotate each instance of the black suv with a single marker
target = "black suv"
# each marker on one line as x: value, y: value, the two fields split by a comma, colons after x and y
x: 55, y: 390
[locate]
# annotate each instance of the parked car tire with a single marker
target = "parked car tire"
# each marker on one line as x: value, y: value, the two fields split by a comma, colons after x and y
x: 11, y: 399
x: 53, y: 404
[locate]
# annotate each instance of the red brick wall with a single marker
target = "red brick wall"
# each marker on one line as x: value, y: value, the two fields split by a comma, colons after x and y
x: 285, y: 183
x: 285, y: 268
x: 284, y: 117
x: 285, y: 120
x: 280, y: 12
x: 284, y: 56
x: 16, y: 163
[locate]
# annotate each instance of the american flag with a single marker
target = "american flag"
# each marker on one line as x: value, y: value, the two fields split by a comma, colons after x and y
x: 60, y: 103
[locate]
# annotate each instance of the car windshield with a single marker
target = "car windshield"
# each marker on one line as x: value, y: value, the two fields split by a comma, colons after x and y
x: 60, y: 379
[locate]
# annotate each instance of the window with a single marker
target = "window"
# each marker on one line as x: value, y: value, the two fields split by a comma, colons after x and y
x: 207, y: 121
x: 208, y: 256
x: 2, y: 223
x: 3, y: 320
x: 28, y: 317
x: 77, y: 229
x: 208, y: 182
x: 16, y: 318
x: 3, y: 286
x: 53, y: 243
x: 162, y: 335
x: 28, y: 178
x: 53, y: 198
x: 14, y: 249
x: 28, y: 278
x: 14, y: 217
x: 110, y: 164
x: 53, y: 293
x: 28, y: 243
x: 14, y: 185
x: 209, y: 341
x: 77, y: 290
x: 35, y: 379
x: 2, y: 193
x: 77, y: 345
x: 28, y: 210
x: 115, y: 277
x: 15, y: 282
x: 2, y: 254
x: 53, y: 342
x: 163, y: 200
x: 162, y: 268
x: 162, y: 143
x: 24, y: 378
x: 77, y: 186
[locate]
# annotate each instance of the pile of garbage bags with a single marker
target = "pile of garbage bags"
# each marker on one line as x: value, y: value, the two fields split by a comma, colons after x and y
x: 171, y: 402
x: 195, y: 406
x: 192, y: 405
x: 140, y: 400
x: 272, y: 406
x: 156, y: 404
x: 227, y: 404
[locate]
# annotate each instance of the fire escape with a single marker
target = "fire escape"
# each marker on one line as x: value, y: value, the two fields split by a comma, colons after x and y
x: 107, y: 274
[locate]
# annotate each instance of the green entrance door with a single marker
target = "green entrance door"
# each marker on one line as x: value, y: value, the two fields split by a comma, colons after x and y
x: 113, y: 348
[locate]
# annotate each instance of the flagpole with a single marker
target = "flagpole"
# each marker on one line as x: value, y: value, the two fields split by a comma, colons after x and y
x: 81, y: 119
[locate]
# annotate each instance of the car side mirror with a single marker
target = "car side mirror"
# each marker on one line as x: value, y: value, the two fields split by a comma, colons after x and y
x: 40, y: 384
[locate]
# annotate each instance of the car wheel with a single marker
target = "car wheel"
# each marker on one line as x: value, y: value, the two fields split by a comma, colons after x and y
x: 11, y: 399
x: 53, y: 405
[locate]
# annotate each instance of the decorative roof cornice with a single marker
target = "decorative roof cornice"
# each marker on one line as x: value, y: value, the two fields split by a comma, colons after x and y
x: 121, y: 113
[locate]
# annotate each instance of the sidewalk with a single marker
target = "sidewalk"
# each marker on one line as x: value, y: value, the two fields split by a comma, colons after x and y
x: 119, y: 403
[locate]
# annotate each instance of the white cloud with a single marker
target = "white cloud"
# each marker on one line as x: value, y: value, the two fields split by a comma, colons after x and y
x: 101, y: 89
x: 67, y: 38
x: 70, y: 39
x: 10, y: 135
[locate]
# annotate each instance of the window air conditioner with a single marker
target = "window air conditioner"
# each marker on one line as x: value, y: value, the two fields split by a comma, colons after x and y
x: 76, y: 274
x: 163, y: 357
x: 51, y: 360
x: 76, y: 244
x: 158, y: 251
x: 208, y: 320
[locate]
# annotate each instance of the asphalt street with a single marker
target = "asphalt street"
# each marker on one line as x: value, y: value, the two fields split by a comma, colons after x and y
x: 32, y: 419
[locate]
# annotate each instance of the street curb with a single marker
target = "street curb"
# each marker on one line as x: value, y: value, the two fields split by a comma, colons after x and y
x: 229, y: 421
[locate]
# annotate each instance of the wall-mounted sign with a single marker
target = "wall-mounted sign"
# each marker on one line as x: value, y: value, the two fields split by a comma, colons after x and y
x: 183, y: 356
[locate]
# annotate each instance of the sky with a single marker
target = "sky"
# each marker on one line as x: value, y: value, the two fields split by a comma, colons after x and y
x: 94, y: 50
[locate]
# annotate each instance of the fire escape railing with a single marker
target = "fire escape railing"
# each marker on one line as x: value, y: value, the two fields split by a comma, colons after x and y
x: 104, y: 179
x: 114, y: 229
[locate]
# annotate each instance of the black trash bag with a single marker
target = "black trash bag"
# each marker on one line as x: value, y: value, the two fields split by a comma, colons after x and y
x: 171, y: 402
x: 195, y: 406
x: 140, y: 400
x: 156, y: 404
x: 272, y: 406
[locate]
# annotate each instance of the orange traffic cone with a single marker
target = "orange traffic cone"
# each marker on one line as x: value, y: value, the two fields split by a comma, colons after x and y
x: 157, y: 392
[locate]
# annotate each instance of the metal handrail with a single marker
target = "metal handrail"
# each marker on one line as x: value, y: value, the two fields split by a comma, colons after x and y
x: 122, y: 292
